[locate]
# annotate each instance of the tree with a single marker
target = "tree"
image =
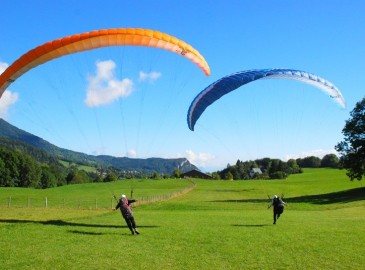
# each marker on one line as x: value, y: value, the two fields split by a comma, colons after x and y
x: 276, y: 165
x: 95, y: 177
x: 216, y: 176
x: 330, y: 160
x: 110, y: 177
x: 176, y: 173
x: 29, y: 171
x: 11, y: 164
x: 165, y: 176
x: 75, y: 177
x: 234, y: 172
x: 59, y: 171
x: 48, y: 180
x: 309, y: 162
x: 5, y: 178
x: 293, y: 166
x: 155, y: 175
x: 278, y: 175
x: 352, y: 148
x: 228, y: 176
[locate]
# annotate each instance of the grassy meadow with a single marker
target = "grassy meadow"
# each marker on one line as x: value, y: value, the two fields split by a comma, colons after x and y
x: 217, y: 225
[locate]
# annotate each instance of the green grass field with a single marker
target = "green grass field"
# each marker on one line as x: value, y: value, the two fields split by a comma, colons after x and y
x: 80, y: 167
x: 217, y: 225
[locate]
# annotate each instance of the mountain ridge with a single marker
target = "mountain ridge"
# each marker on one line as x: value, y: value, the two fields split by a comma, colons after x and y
x: 148, y: 165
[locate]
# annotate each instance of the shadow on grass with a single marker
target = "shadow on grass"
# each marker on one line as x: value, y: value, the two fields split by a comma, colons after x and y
x: 250, y: 225
x: 85, y: 233
x: 346, y: 196
x: 60, y: 222
x: 234, y: 190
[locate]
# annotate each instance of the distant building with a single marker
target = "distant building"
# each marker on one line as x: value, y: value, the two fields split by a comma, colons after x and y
x: 254, y: 172
x: 195, y: 174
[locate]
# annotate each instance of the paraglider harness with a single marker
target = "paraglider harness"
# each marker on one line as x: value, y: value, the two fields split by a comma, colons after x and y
x: 277, y: 203
x: 125, y: 205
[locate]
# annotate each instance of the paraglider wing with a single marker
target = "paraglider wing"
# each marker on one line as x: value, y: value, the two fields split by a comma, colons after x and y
x: 231, y: 82
x: 96, y: 39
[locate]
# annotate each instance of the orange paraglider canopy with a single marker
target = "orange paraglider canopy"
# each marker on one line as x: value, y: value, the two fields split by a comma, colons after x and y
x: 96, y: 39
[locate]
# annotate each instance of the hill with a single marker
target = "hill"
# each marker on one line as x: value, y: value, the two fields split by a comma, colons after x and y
x: 21, y: 139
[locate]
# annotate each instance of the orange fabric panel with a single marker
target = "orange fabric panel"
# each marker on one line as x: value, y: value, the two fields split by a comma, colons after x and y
x: 96, y: 39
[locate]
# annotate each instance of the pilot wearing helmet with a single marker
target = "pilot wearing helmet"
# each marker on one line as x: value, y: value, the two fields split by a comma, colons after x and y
x: 278, y: 204
x: 125, y: 209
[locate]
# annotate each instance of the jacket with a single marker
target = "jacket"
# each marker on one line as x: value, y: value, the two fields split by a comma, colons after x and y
x: 124, y: 206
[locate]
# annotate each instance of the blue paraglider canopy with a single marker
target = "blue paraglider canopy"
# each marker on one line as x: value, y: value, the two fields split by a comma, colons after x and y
x: 231, y: 82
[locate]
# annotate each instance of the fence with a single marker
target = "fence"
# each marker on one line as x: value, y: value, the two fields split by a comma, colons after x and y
x: 85, y: 203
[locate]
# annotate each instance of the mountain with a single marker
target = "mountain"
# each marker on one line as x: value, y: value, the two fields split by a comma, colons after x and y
x: 148, y: 165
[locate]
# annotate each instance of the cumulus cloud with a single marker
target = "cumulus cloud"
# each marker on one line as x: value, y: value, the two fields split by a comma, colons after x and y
x: 199, y: 159
x: 3, y: 66
x: 98, y: 151
x: 104, y: 87
x: 317, y: 153
x: 8, y: 98
x: 150, y: 77
x: 131, y: 153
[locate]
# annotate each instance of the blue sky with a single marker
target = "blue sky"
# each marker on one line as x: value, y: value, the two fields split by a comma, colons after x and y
x: 269, y: 118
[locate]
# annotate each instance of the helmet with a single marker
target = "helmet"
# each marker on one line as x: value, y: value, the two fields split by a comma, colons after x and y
x: 275, y: 196
x: 123, y: 196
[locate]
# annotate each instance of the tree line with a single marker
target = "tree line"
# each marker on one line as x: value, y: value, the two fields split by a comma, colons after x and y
x: 274, y: 168
x: 19, y: 169
x: 36, y: 169
x: 351, y: 150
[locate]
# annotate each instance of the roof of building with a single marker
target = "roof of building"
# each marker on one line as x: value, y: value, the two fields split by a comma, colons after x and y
x: 195, y: 174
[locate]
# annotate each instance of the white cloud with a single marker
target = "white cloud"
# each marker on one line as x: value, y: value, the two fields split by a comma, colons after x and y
x: 99, y: 151
x: 317, y: 153
x: 204, y: 161
x: 7, y: 100
x: 104, y: 87
x: 150, y: 77
x: 199, y: 159
x: 3, y: 66
x: 131, y: 153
